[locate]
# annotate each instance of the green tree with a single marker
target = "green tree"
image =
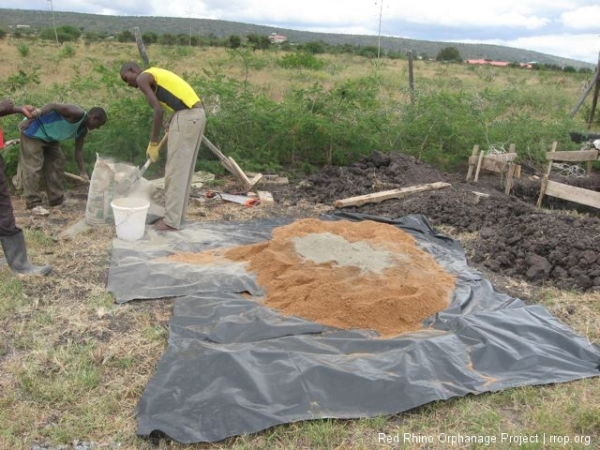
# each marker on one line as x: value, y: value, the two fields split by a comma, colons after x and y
x: 183, y: 39
x: 264, y: 42
x: 3, y: 33
x: 258, y: 42
x: 125, y: 36
x: 253, y: 40
x: 64, y: 33
x: 233, y: 41
x: 167, y: 39
x: 370, y: 51
x: 449, y: 54
x: 91, y: 36
x: 150, y: 37
x: 314, y: 47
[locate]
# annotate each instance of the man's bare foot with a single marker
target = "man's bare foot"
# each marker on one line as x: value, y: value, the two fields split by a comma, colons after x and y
x: 160, y: 225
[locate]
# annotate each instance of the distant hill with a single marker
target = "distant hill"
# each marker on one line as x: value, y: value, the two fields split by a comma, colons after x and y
x: 10, y: 18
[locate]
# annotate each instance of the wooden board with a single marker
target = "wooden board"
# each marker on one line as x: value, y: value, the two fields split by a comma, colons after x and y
x: 232, y: 167
x: 270, y: 179
x: 386, y: 195
x: 573, y: 156
x: 500, y: 157
x: 266, y: 198
x: 499, y: 163
x: 564, y: 191
x: 573, y: 194
x: 472, y: 165
x: 224, y: 160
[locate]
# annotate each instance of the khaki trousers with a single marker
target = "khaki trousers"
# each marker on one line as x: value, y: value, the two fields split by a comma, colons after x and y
x: 41, y: 161
x: 185, y: 136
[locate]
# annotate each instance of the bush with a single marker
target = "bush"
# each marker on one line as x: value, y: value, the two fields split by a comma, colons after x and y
x: 449, y: 54
x: 66, y: 51
x: 23, y: 49
x: 301, y: 60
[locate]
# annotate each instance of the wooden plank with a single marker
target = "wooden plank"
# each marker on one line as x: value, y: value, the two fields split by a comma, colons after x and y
x: 479, y: 162
x: 494, y: 166
x: 239, y: 172
x: 500, y: 158
x: 590, y: 86
x: 509, y: 178
x: 266, y: 198
x: 254, y: 181
x: 472, y: 164
x: 543, y: 187
x: 573, y: 194
x: 270, y: 178
x: 549, y: 168
x: 387, y: 195
x: 594, y: 97
x: 572, y: 156
x: 224, y: 160
x: 232, y: 167
x: 248, y: 183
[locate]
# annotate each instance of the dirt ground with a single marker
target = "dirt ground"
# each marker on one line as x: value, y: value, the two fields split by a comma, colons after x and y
x: 505, y: 237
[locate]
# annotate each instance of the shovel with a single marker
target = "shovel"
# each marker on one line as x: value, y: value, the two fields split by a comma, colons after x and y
x: 147, y: 163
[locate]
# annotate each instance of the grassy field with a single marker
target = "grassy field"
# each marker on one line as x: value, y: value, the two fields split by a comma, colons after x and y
x: 73, y: 364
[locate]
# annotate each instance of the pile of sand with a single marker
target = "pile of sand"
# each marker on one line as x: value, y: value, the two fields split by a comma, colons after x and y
x: 344, y: 274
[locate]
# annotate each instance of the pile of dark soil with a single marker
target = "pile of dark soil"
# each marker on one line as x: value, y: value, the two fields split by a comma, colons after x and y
x: 557, y: 245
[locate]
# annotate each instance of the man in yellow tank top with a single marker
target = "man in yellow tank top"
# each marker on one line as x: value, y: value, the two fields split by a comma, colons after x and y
x: 165, y: 90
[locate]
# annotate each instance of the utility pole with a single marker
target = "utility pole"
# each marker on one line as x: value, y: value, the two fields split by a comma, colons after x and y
x: 190, y: 30
x: 54, y: 23
x: 379, y: 31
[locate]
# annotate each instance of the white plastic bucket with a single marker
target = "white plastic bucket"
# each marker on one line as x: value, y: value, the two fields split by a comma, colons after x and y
x: 130, y: 217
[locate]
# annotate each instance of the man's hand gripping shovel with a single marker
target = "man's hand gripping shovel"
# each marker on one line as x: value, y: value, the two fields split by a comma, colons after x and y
x: 143, y: 169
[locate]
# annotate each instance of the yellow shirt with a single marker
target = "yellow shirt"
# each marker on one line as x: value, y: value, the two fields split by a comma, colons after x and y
x: 172, y: 91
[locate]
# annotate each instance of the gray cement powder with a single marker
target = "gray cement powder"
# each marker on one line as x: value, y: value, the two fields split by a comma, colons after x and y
x: 322, y: 248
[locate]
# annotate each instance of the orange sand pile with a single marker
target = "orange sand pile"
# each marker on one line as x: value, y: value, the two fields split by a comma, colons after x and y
x: 344, y: 274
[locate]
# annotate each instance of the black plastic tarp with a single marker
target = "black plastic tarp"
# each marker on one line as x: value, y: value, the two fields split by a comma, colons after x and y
x: 233, y: 366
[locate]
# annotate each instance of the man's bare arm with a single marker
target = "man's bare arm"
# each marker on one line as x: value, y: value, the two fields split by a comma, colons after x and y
x: 144, y: 82
x: 72, y: 113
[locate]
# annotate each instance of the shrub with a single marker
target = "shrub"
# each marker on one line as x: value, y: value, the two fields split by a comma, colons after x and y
x: 66, y: 51
x: 301, y: 60
x: 449, y: 54
x: 23, y: 49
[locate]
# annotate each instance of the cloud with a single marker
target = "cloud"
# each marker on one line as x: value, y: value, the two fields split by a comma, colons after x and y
x: 567, y: 28
x: 581, y: 47
x: 586, y: 18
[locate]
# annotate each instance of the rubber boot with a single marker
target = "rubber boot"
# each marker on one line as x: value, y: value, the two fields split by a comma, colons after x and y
x: 15, y: 252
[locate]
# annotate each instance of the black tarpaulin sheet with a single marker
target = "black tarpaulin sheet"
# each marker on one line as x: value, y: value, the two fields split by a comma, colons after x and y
x: 235, y: 367
x: 139, y: 270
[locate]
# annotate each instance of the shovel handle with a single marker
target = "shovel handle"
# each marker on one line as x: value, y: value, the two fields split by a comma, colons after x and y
x: 145, y: 166
x: 76, y: 177
x: 149, y: 161
x: 163, y: 140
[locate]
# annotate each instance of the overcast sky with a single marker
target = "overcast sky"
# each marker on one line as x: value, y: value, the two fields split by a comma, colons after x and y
x: 568, y: 28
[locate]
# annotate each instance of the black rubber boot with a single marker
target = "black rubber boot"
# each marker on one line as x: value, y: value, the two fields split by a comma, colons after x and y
x: 15, y: 253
